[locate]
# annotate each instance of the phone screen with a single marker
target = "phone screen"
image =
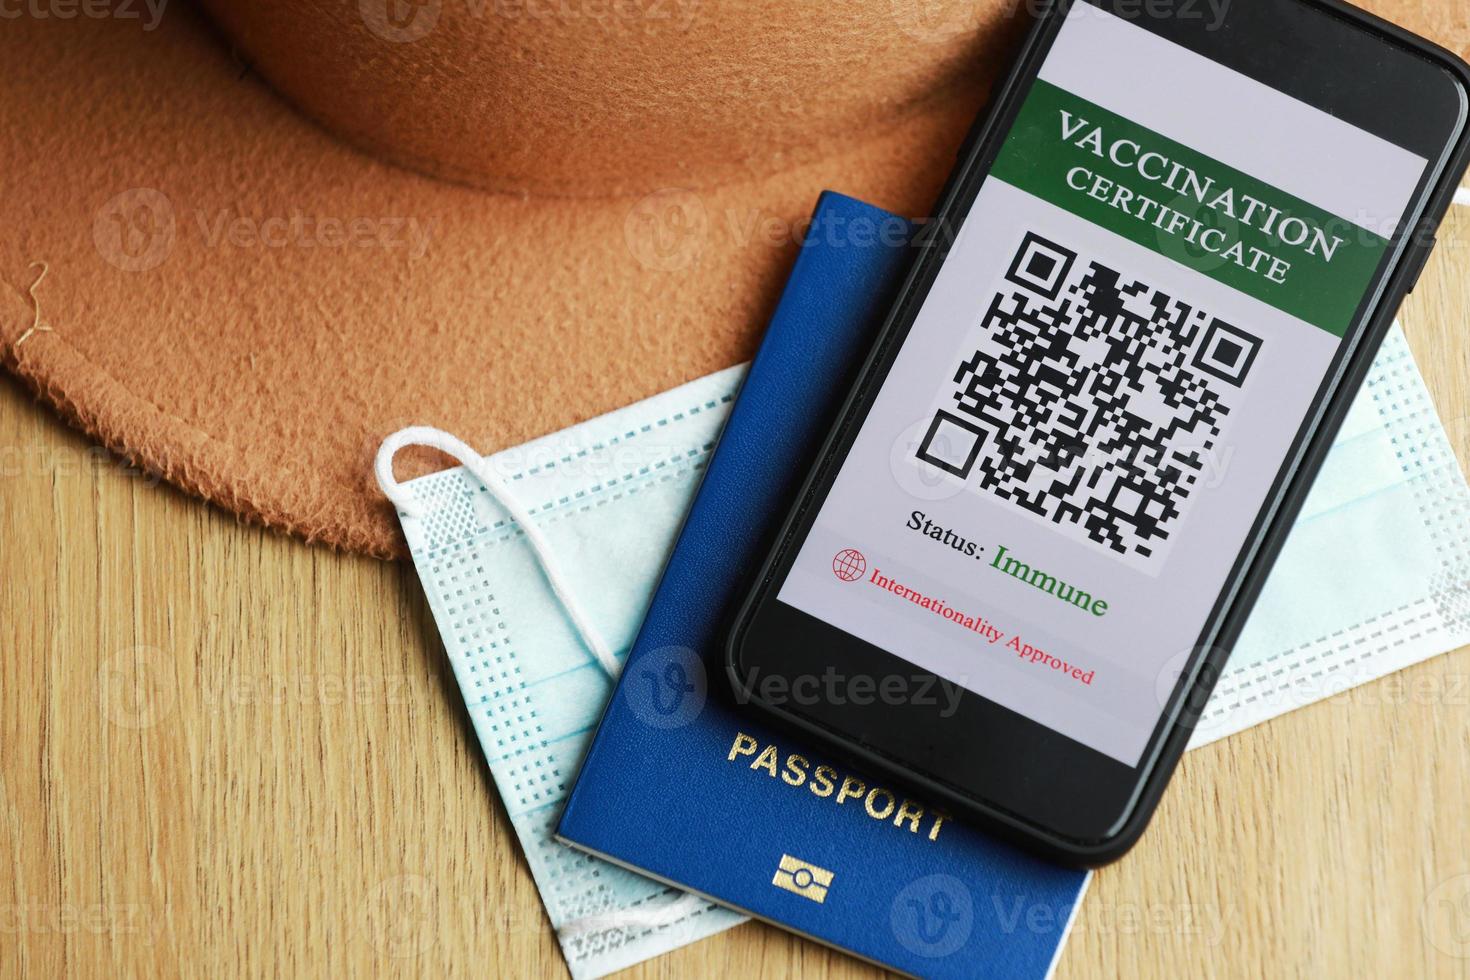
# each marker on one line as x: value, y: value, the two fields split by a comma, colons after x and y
x: 1084, y: 422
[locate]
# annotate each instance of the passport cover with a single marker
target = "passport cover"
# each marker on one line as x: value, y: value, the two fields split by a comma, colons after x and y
x: 684, y: 786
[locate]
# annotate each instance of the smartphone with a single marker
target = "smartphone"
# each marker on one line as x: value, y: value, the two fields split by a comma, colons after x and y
x: 1147, y: 296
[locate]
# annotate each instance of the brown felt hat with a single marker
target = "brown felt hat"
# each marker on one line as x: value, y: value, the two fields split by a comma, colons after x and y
x: 274, y: 231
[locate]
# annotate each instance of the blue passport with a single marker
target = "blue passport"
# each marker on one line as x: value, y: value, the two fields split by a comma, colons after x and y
x: 683, y: 785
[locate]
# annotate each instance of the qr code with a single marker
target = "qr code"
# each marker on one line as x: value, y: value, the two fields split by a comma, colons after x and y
x: 1093, y: 400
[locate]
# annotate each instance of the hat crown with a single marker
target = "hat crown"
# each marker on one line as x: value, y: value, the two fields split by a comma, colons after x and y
x: 599, y: 97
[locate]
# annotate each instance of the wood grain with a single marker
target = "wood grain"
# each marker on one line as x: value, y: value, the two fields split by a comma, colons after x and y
x: 222, y: 751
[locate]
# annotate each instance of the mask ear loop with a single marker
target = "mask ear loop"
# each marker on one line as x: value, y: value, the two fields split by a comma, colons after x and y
x: 422, y: 435
x: 652, y: 917
x: 647, y: 917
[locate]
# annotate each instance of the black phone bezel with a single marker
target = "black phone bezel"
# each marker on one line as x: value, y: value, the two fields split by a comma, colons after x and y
x: 1108, y: 803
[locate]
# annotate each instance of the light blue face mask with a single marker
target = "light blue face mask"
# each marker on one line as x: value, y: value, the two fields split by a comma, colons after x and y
x: 1374, y: 577
x: 604, y: 501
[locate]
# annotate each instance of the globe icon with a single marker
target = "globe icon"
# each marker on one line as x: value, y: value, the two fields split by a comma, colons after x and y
x: 849, y: 565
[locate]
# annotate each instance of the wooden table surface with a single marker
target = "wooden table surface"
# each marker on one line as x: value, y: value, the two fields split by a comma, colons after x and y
x: 224, y: 751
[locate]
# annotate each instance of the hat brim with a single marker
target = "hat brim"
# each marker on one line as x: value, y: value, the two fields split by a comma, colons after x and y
x: 245, y: 305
